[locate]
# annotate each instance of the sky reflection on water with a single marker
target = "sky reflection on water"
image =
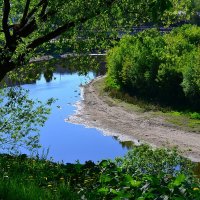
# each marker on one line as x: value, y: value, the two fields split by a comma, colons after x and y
x: 69, y: 142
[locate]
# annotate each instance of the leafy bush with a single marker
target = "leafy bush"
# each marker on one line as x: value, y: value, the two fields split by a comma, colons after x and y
x: 163, y: 68
x: 169, y: 76
x: 137, y: 63
x: 191, y: 76
x: 173, y: 75
x: 114, y: 60
x: 195, y: 115
x: 144, y: 173
x: 20, y: 119
x: 190, y: 32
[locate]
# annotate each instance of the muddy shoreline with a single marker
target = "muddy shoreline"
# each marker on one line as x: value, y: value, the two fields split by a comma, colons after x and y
x: 113, y: 119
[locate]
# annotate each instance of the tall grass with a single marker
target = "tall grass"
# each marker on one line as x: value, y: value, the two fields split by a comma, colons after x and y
x: 142, y: 174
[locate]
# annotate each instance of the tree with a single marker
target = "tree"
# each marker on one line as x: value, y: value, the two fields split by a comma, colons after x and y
x: 196, y: 16
x: 30, y: 26
x: 163, y: 68
x: 20, y: 119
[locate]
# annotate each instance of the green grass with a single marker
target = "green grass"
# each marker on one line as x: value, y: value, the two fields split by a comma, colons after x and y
x: 16, y: 190
x: 21, y: 190
x: 144, y: 173
x: 185, y: 120
x: 23, y: 178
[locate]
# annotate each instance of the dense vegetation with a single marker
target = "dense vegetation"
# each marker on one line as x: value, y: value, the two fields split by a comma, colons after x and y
x: 143, y: 173
x: 29, y: 27
x: 20, y: 120
x: 162, y: 68
x: 32, y: 28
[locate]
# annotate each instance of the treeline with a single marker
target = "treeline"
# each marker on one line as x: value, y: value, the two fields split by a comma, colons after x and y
x: 160, y: 68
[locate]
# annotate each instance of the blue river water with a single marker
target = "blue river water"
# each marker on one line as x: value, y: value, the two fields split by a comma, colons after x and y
x: 69, y: 142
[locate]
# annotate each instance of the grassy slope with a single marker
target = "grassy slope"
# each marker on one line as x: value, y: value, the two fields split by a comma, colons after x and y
x: 143, y: 174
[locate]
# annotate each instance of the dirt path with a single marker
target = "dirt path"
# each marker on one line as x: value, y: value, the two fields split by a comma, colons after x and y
x: 116, y: 120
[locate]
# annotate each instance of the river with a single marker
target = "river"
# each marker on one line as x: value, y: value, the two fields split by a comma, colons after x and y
x: 66, y: 142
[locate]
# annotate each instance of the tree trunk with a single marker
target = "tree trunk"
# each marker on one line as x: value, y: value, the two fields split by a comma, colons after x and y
x: 5, y: 68
x: 2, y: 74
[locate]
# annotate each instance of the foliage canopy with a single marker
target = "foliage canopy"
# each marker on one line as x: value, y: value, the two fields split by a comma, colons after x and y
x: 164, y: 68
x: 32, y: 26
x: 20, y: 120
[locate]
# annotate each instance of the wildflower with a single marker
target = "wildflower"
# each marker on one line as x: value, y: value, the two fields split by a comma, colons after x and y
x: 195, y: 189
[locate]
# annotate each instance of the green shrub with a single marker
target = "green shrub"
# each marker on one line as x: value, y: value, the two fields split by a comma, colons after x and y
x: 135, y: 66
x: 114, y: 63
x: 176, y: 61
x: 159, y: 68
x: 190, y: 32
x: 191, y: 76
x: 144, y: 173
x: 195, y: 115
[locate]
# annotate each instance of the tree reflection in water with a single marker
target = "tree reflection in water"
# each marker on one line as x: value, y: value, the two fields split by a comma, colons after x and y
x: 125, y: 144
x: 32, y: 72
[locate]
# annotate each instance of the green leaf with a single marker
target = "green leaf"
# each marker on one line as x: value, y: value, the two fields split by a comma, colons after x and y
x: 104, y: 163
x: 132, y: 182
x: 103, y: 190
x: 179, y: 179
x: 105, y: 178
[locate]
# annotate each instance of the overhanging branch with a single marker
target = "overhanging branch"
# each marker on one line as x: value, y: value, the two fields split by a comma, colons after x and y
x: 44, y: 7
x: 35, y: 9
x: 28, y: 23
x: 51, y: 35
x: 41, y: 40
x: 23, y: 20
x: 6, y: 11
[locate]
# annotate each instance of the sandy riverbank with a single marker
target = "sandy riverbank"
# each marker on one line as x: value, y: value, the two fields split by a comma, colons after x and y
x: 129, y: 125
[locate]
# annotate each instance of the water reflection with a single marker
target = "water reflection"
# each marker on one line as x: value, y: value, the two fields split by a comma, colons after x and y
x: 124, y: 144
x: 69, y: 142
x: 32, y: 72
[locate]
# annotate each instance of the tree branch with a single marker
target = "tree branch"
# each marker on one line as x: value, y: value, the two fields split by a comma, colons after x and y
x: 50, y: 35
x: 27, y: 29
x: 6, y: 11
x: 41, y: 40
x: 43, y: 11
x: 28, y: 26
x: 23, y: 20
x: 32, y: 12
